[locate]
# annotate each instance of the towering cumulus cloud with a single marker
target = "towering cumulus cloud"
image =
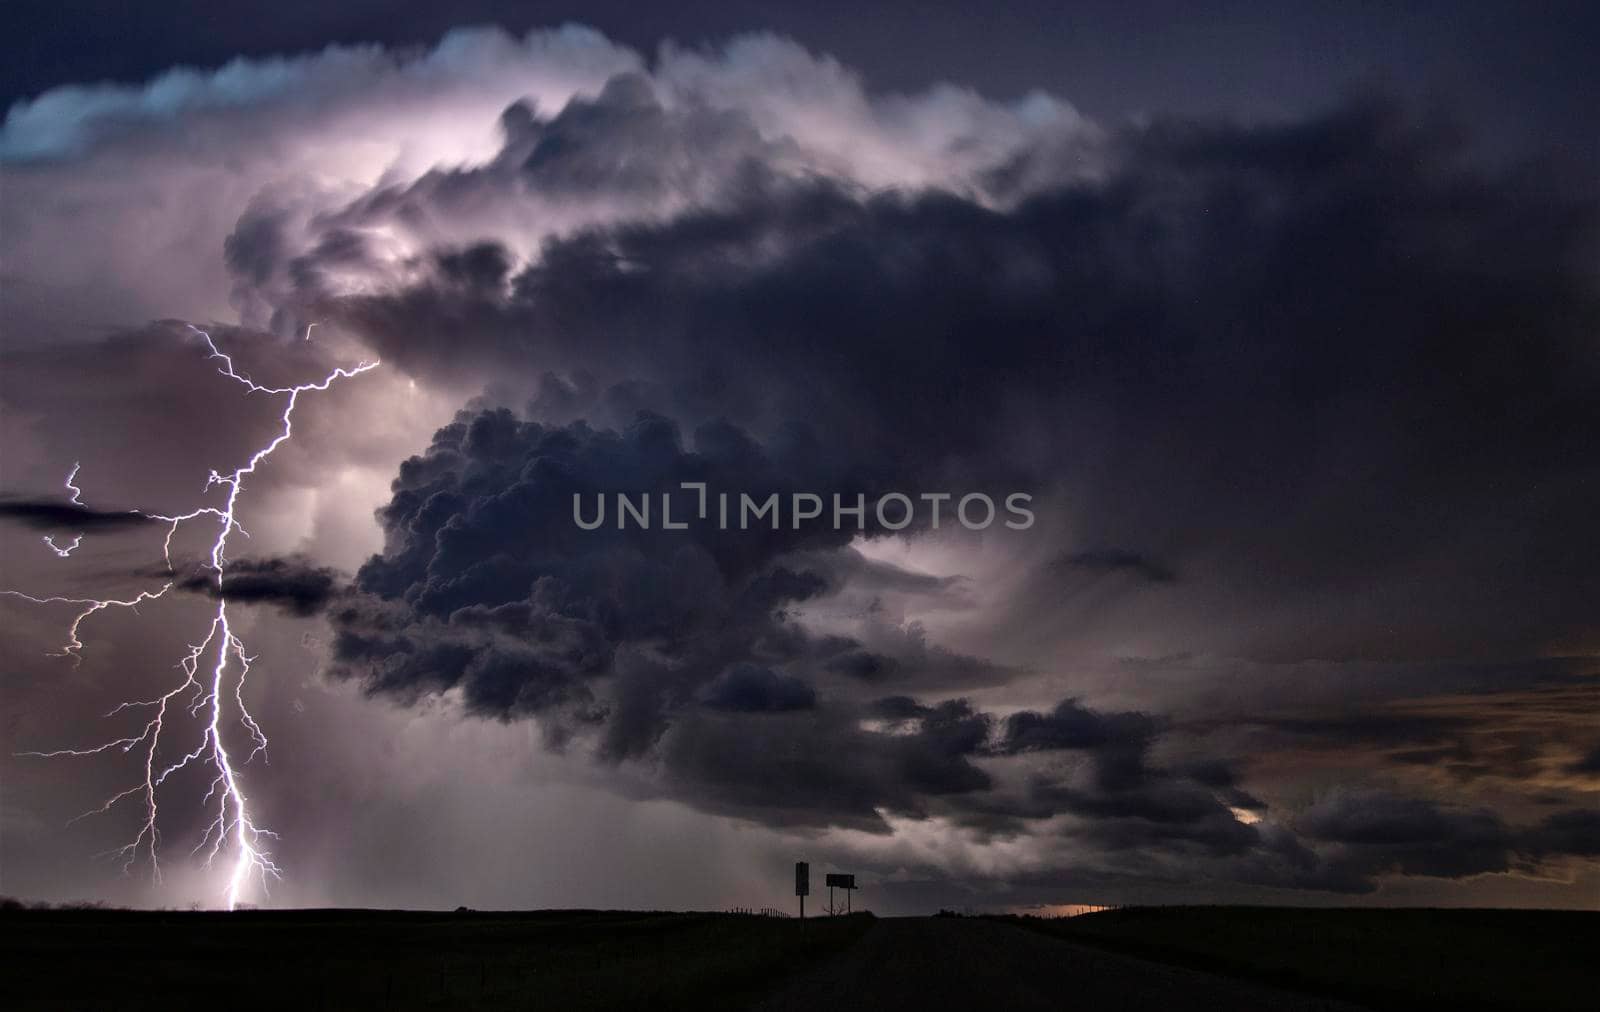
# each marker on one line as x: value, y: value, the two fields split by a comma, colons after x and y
x: 1306, y: 410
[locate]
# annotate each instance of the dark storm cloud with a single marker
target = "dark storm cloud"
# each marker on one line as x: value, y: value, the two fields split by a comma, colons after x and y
x: 863, y: 664
x: 1141, y: 817
x: 1125, y: 800
x: 1570, y: 833
x: 1299, y: 353
x: 1272, y: 350
x: 823, y: 768
x: 1347, y: 841
x: 1112, y: 560
x: 1590, y: 763
x: 750, y: 688
x: 1376, y: 833
x: 1224, y: 779
x: 669, y: 153
x: 1526, y: 736
x: 293, y: 585
x: 1379, y: 832
x: 488, y: 585
x: 618, y: 155
x: 902, y: 658
x: 1329, y: 369
x: 1070, y: 726
x: 54, y: 515
x: 678, y: 642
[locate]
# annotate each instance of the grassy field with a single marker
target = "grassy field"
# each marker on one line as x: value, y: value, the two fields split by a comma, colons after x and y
x: 1459, y: 960
x: 345, y: 959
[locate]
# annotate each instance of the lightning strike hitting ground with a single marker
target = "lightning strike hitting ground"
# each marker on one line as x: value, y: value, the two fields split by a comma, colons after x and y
x: 213, y: 669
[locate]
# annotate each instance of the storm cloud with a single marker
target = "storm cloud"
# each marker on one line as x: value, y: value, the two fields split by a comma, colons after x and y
x: 48, y: 515
x: 1299, y: 327
x: 1312, y: 395
x: 294, y: 585
x: 1248, y: 342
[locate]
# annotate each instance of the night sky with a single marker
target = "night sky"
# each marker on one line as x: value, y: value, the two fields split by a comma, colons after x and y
x: 1288, y: 322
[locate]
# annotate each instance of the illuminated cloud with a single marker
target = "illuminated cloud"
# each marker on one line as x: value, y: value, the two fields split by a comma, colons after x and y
x: 1303, y: 405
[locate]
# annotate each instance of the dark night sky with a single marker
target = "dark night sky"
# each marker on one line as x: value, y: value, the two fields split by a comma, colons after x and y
x: 1285, y: 317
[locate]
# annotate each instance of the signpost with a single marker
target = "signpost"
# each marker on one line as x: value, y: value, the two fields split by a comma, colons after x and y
x: 835, y: 880
x: 838, y: 881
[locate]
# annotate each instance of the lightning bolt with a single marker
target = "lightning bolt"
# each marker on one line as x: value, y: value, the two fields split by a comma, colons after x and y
x: 49, y: 539
x: 213, y: 669
x: 77, y: 492
x: 65, y: 552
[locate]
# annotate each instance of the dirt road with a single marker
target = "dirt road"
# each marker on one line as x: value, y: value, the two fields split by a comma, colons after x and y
x: 970, y: 963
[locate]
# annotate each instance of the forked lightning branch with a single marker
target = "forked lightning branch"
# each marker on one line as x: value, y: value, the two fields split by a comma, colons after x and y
x: 213, y: 673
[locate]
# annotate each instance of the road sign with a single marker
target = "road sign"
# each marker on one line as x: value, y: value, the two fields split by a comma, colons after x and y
x: 802, y: 879
x: 840, y: 880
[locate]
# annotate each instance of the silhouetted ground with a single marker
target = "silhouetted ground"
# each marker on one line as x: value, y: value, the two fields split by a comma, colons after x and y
x: 1460, y: 960
x: 1175, y: 958
x: 350, y: 959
